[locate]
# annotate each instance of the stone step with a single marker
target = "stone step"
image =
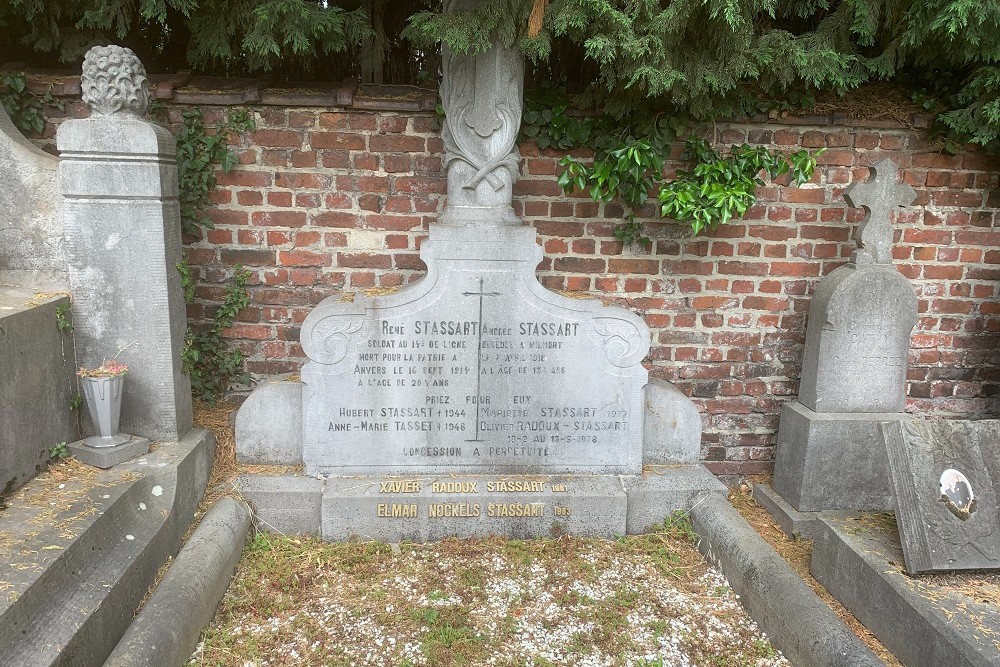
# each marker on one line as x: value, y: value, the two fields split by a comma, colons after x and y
x: 80, y: 563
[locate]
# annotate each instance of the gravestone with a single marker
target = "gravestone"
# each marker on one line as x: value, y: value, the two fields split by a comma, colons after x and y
x: 829, y: 454
x: 475, y: 401
x: 944, y: 476
x: 31, y: 232
x: 121, y: 216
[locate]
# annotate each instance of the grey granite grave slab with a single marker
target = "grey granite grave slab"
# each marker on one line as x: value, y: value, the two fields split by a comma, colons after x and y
x: 269, y: 423
x: 105, y: 457
x: 31, y: 232
x: 120, y: 211
x: 924, y: 621
x: 662, y: 490
x: 432, y: 507
x: 37, y: 366
x: 671, y: 427
x: 286, y: 504
x: 832, y: 461
x: 474, y: 369
x: 946, y: 499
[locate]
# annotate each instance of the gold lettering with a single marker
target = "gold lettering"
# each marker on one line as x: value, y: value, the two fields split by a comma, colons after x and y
x: 560, y: 511
x: 559, y: 488
x: 514, y: 486
x: 399, y: 486
x: 396, y: 510
x: 515, y: 509
x: 455, y: 487
x: 445, y: 510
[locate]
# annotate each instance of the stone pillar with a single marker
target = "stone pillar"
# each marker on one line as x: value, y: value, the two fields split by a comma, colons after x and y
x: 118, y: 177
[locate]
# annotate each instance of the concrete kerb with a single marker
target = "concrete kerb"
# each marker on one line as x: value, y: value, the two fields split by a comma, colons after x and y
x: 165, y: 632
x: 797, y: 622
x: 77, y: 605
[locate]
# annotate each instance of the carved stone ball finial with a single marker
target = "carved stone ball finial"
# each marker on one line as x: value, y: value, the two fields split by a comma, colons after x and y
x: 114, y: 81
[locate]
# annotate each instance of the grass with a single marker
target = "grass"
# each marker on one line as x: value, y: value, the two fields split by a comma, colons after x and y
x: 638, y: 600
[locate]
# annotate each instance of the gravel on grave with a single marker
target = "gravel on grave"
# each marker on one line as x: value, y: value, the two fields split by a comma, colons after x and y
x: 640, y: 600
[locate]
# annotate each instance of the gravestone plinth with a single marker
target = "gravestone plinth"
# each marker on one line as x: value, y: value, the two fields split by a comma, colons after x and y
x: 475, y: 369
x: 829, y: 454
x: 944, y: 475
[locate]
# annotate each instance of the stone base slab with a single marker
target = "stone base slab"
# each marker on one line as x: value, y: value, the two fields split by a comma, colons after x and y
x: 792, y: 522
x: 105, y: 457
x: 827, y: 461
x: 431, y: 507
x: 924, y: 623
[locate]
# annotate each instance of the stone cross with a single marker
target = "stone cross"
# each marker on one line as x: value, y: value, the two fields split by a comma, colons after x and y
x: 482, y: 98
x: 880, y: 195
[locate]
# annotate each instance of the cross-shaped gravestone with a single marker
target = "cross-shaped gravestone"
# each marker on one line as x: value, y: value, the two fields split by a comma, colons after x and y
x: 880, y: 195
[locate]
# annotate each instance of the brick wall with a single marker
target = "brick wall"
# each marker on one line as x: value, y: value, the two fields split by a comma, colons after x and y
x: 339, y: 198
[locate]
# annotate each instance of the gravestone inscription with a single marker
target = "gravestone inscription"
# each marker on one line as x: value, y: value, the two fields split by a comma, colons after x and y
x: 477, y: 368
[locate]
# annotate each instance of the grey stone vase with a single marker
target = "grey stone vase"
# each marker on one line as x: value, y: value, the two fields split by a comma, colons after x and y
x: 104, y: 400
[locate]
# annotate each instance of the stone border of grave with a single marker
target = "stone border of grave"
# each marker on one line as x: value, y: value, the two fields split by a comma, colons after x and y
x: 921, y: 625
x: 75, y: 602
x: 185, y: 599
x: 797, y: 622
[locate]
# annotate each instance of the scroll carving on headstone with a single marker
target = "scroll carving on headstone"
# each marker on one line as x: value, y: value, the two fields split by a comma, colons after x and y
x: 482, y: 98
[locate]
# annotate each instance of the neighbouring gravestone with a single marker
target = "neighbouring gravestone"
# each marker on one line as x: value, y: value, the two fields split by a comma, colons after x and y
x: 122, y: 223
x: 475, y: 401
x: 829, y: 455
x: 944, y: 476
x: 31, y: 234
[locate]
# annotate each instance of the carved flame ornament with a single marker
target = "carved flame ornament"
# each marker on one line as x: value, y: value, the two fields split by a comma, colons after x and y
x: 114, y: 81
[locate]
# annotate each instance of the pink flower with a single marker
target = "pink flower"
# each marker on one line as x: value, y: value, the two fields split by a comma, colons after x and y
x: 108, y: 369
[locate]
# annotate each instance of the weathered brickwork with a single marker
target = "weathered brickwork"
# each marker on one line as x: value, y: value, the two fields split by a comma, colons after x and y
x: 327, y: 200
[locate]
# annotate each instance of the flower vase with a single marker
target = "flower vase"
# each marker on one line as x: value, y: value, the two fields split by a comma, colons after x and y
x: 104, y: 400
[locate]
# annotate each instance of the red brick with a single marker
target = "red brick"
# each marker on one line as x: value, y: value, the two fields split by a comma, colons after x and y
x: 279, y: 218
x: 421, y: 185
x: 361, y: 260
x: 303, y: 258
x: 336, y: 219
x: 298, y: 181
x: 646, y: 266
x: 243, y: 178
x: 580, y: 264
x: 337, y: 140
x: 396, y: 144
x: 277, y: 138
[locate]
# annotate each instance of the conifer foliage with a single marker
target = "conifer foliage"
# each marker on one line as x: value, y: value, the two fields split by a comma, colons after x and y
x: 701, y: 58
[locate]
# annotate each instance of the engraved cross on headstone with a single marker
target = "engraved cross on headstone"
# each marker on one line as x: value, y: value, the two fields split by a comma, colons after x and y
x: 880, y: 195
x: 479, y: 356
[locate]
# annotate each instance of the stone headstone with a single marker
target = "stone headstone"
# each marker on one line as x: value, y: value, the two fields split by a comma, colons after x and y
x: 31, y: 232
x: 121, y: 215
x: 476, y: 368
x: 944, y: 476
x: 829, y: 455
x: 860, y: 318
x: 475, y: 401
